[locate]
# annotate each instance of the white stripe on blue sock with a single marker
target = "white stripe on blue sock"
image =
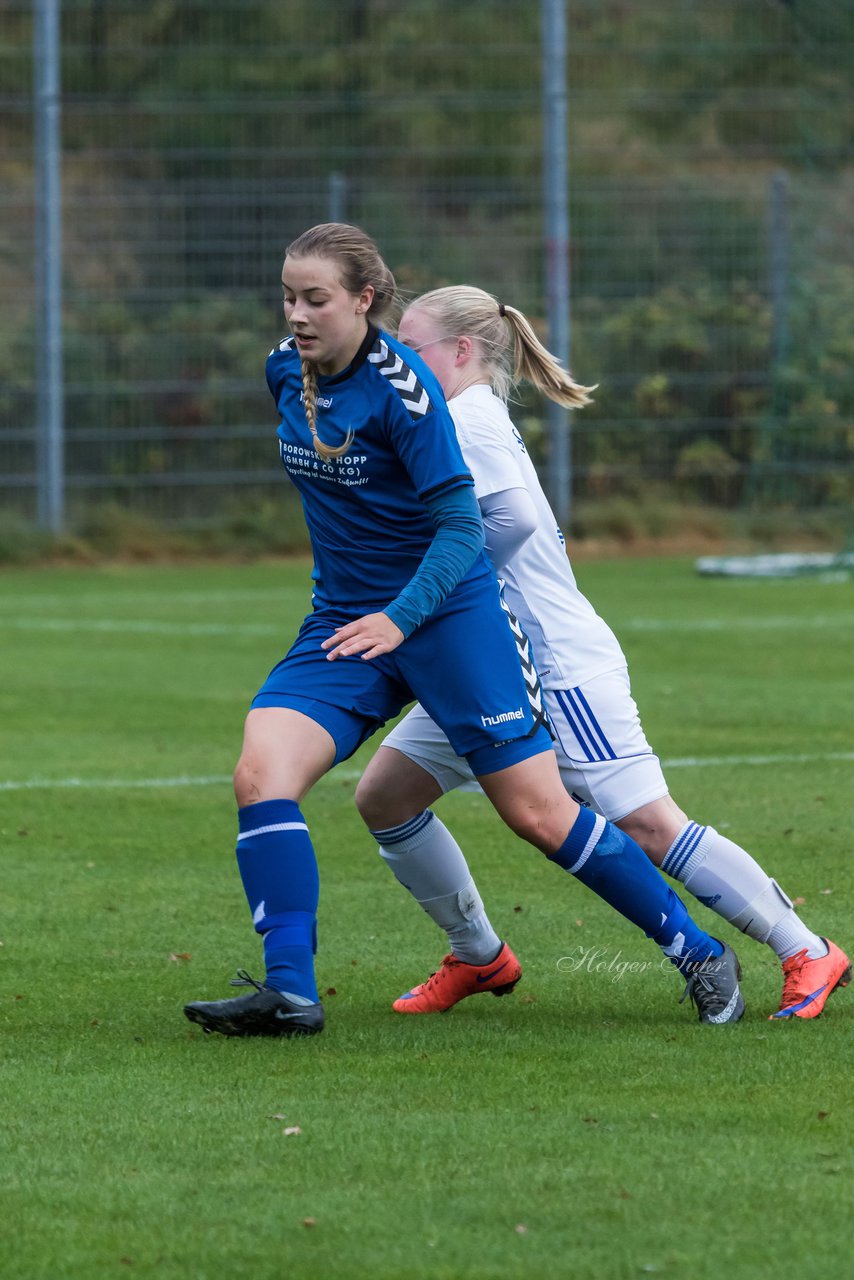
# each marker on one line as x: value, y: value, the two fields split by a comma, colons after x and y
x: 274, y: 826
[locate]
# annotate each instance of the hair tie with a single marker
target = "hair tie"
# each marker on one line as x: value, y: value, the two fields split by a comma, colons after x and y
x: 501, y: 311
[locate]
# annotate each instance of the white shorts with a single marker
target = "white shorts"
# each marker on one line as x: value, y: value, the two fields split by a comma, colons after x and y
x: 604, y: 758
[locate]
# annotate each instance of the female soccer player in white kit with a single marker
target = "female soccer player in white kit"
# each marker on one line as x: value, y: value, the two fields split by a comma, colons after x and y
x: 478, y: 349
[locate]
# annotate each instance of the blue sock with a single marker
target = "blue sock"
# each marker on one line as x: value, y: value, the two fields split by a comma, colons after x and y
x: 616, y: 868
x: 279, y: 872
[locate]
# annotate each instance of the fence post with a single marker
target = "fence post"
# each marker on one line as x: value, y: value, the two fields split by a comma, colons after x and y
x: 778, y: 273
x: 555, y: 195
x: 765, y: 479
x: 337, y: 197
x: 50, y: 429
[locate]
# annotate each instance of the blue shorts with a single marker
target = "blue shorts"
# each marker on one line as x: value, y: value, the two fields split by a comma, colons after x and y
x: 463, y: 665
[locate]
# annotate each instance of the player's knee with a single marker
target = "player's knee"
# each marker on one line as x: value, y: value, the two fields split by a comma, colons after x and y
x: 643, y: 833
x: 654, y: 828
x: 245, y: 783
x: 382, y: 806
x: 371, y: 803
x: 256, y: 779
x: 535, y: 827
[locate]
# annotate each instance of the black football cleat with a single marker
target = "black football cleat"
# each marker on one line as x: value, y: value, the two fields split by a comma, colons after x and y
x: 265, y: 1012
x: 713, y: 987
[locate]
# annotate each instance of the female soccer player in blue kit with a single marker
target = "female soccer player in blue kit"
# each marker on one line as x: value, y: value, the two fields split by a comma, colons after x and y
x: 405, y: 607
x: 478, y: 349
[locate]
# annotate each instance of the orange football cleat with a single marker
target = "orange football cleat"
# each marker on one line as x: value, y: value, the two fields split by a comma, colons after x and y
x: 455, y: 980
x: 808, y: 983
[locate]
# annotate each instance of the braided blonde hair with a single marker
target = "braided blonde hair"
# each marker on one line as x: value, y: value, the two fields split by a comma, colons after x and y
x: 360, y: 265
x: 510, y: 349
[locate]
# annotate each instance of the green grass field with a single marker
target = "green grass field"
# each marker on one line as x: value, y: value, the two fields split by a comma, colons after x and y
x: 585, y: 1127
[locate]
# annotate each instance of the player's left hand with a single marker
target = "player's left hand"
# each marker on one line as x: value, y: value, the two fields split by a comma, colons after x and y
x: 370, y: 636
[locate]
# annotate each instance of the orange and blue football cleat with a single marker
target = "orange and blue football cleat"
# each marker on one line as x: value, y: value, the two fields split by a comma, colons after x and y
x: 455, y: 980
x: 808, y: 983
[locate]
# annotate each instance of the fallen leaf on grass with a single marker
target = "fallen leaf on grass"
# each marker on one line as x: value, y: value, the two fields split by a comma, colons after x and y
x: 520, y: 1229
x: 331, y: 991
x: 179, y: 955
x: 590, y: 1119
x: 822, y: 1115
x: 799, y: 902
x: 291, y: 1130
x: 527, y: 999
x: 309, y: 1222
x: 517, y: 909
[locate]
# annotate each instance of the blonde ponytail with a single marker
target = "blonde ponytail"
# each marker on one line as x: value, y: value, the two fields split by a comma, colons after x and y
x: 535, y: 364
x: 509, y: 348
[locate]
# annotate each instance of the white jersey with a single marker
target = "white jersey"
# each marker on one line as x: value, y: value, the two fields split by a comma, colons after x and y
x: 571, y: 642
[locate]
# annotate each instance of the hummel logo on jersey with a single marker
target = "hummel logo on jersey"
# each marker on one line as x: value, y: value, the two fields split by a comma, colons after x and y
x: 503, y: 717
x: 402, y: 378
x: 322, y: 402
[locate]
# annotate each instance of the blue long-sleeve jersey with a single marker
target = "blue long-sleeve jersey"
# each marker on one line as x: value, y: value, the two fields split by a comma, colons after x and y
x: 365, y: 511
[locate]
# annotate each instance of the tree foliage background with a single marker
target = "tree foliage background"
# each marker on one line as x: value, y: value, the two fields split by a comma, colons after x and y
x: 711, y: 184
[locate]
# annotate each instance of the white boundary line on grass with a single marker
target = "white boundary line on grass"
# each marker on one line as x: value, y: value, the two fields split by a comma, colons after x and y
x: 144, y: 626
x: 62, y: 601
x: 808, y: 622
x: 222, y: 779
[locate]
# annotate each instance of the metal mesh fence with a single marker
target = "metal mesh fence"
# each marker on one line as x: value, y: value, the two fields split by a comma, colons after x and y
x: 711, y: 183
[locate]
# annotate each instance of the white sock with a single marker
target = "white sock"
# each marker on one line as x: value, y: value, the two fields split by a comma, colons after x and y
x: 724, y: 877
x: 427, y: 861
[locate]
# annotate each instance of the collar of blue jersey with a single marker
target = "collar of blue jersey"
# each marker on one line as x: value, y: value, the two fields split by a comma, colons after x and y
x: 356, y: 363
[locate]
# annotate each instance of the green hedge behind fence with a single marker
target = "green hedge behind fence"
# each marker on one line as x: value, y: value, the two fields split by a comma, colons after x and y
x: 711, y: 182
